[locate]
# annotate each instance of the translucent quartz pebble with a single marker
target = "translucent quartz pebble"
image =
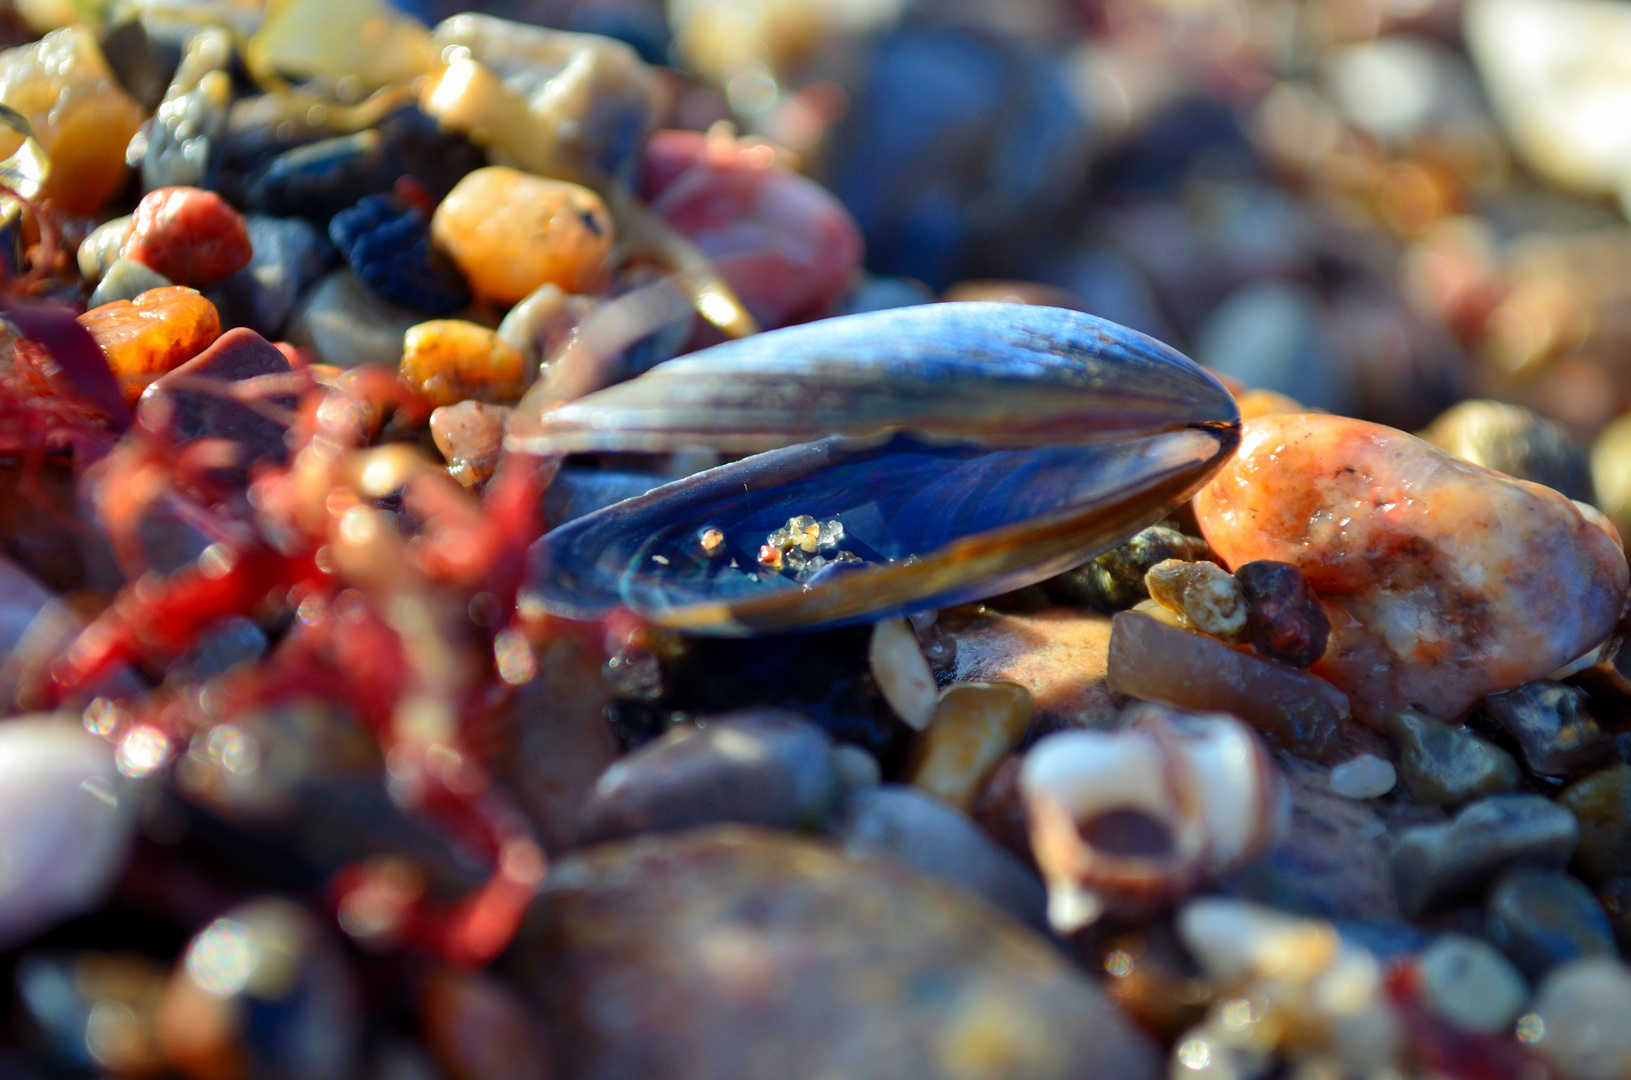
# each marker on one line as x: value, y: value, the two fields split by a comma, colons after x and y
x: 1444, y: 581
x: 157, y: 332
x: 512, y: 233
x: 786, y: 246
x: 176, y: 147
x: 365, y: 40
x: 189, y: 235
x: 98, y: 251
x: 1201, y: 594
x: 1152, y: 660
x: 62, y: 85
x: 449, y: 361
x: 65, y: 822
x: 573, y: 106
x: 126, y: 279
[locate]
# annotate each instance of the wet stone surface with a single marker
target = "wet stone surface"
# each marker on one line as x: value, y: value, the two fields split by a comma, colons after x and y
x: 1602, y: 804
x: 1285, y: 618
x: 730, y: 952
x: 1060, y: 656
x: 1446, y: 765
x: 1552, y: 726
x: 1433, y: 864
x: 1541, y: 919
x: 769, y: 769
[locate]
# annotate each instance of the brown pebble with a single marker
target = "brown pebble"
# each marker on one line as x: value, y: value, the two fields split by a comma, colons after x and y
x: 1201, y: 594
x: 1058, y: 655
x: 973, y: 726
x: 1288, y: 623
x: 470, y: 436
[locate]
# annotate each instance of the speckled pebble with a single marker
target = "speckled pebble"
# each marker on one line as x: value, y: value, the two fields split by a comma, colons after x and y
x: 1552, y: 726
x: 1201, y: 594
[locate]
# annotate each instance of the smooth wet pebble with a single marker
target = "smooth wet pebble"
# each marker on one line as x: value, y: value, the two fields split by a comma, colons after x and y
x: 1447, y: 765
x: 1579, y: 1021
x: 1543, y: 918
x: 344, y: 324
x: 126, y: 279
x: 974, y: 726
x: 893, y: 822
x: 768, y: 768
x: 1602, y: 804
x: 1436, y: 863
x: 1470, y: 984
x: 289, y: 254
x: 1059, y: 655
x: 1363, y: 777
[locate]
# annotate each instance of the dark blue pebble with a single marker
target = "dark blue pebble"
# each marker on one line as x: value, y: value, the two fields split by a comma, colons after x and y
x: 387, y: 245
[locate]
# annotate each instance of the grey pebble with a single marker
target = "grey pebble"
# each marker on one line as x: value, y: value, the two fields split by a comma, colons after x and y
x: 1436, y: 863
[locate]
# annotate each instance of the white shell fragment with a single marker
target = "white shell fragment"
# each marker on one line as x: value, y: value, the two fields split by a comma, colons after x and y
x: 1364, y: 777
x: 902, y: 673
x: 65, y: 823
x: 1130, y: 818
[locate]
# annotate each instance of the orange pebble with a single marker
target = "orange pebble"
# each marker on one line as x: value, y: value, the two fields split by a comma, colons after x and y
x: 157, y: 332
x: 511, y: 232
x: 449, y: 361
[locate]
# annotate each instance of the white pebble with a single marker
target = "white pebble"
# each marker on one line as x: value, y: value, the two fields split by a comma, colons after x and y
x: 1364, y: 777
x: 1580, y: 1023
x: 1471, y: 985
x: 902, y: 673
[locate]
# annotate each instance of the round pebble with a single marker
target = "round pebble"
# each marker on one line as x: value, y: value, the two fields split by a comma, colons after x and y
x: 449, y: 361
x: 1579, y: 1022
x: 511, y: 232
x: 189, y: 235
x: 1363, y: 777
x: 1471, y: 985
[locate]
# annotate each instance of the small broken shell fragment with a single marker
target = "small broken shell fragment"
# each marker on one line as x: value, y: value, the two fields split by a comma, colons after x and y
x: 1124, y: 821
x: 902, y: 674
x: 1203, y: 594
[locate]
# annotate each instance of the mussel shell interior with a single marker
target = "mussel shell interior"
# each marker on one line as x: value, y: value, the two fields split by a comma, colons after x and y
x: 933, y: 524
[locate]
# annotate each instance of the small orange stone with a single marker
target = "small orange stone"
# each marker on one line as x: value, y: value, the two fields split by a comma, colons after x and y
x: 157, y: 332
x: 511, y: 232
x: 449, y: 361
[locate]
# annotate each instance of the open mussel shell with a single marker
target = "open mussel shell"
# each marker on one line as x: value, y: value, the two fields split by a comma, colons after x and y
x: 1002, y: 374
x: 1012, y: 445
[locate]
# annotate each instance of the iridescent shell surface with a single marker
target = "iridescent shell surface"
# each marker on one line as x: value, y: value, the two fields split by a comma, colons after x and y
x: 966, y: 450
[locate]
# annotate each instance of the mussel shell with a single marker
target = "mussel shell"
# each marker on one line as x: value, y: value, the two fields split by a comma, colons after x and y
x: 967, y: 449
x: 937, y: 525
x: 995, y: 374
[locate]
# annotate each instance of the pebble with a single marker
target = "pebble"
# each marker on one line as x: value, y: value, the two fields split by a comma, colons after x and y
x: 1202, y: 594
x: 177, y: 146
x: 189, y: 235
x: 767, y: 768
x: 1271, y: 335
x: 368, y: 42
x: 1433, y: 864
x: 477, y: 1027
x: 126, y: 279
x: 387, y: 244
x: 289, y: 254
x: 575, y: 106
x: 511, y: 233
x: 1115, y: 579
x: 1549, y: 721
x: 975, y: 725
x: 1579, y: 1025
x: 1602, y: 804
x: 1543, y: 918
x: 1517, y: 441
x: 1363, y: 777
x: 185, y: 413
x: 62, y: 85
x: 1470, y: 984
x: 346, y: 325
x: 265, y: 989
x: 1155, y: 661
x: 157, y: 332
x: 1332, y: 861
x: 1615, y: 896
x: 66, y: 823
x: 887, y: 821
x: 857, y: 768
x: 322, y: 178
x: 100, y: 249
x: 1426, y: 562
x: 1611, y: 472
x: 470, y: 436
x: 563, y: 742
x: 727, y: 953
x: 1288, y: 623
x: 1448, y: 766
x: 450, y: 360
x: 784, y: 244
x: 902, y: 672
x: 1059, y: 655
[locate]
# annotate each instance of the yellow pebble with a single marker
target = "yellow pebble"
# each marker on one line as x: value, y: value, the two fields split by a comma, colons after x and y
x: 449, y: 361
x: 157, y: 332
x: 511, y: 232
x: 974, y: 725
